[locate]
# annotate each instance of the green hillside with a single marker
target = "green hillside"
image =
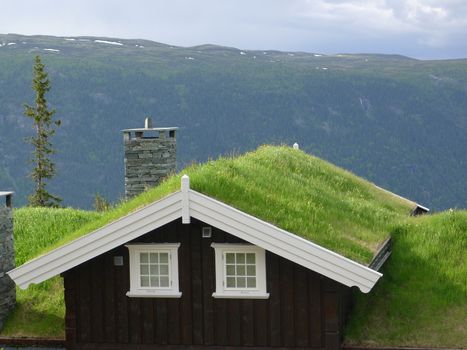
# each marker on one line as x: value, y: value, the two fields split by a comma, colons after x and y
x: 396, y: 121
x: 422, y: 298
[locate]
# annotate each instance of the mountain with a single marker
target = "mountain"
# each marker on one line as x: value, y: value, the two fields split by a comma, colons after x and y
x: 399, y: 122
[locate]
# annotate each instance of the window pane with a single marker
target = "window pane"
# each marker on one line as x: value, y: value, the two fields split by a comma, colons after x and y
x: 251, y: 270
x: 154, y: 270
x: 143, y: 257
x: 164, y: 270
x: 251, y: 282
x: 230, y: 282
x: 154, y: 281
x: 240, y: 270
x: 164, y: 282
x: 240, y: 258
x: 250, y: 258
x: 230, y: 258
x: 164, y: 257
x: 153, y: 258
x: 144, y: 269
x: 241, y: 283
x: 230, y: 270
x: 144, y: 281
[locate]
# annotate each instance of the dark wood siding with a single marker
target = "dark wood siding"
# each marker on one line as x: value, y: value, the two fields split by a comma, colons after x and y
x: 304, y: 309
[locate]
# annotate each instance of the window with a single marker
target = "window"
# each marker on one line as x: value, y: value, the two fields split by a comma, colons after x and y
x: 154, y: 270
x: 240, y: 271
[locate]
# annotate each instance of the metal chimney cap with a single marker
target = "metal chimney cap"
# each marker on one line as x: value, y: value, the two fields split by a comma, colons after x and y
x: 152, y: 129
x: 148, y: 127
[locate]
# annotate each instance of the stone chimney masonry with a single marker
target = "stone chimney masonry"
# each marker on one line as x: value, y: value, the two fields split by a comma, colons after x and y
x: 7, y: 257
x: 150, y: 156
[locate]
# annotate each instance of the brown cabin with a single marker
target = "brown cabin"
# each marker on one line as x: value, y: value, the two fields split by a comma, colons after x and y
x: 304, y: 309
x: 189, y: 271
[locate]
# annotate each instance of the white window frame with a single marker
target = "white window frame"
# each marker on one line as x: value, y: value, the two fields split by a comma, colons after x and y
x: 220, y: 249
x: 136, y: 291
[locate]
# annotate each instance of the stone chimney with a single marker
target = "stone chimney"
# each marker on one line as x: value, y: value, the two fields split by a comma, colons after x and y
x: 150, y: 155
x: 7, y: 257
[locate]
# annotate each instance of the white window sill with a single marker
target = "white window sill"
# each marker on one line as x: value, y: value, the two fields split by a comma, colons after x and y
x: 240, y: 295
x: 153, y: 294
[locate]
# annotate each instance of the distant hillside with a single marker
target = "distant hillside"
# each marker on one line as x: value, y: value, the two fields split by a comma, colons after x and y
x: 399, y: 122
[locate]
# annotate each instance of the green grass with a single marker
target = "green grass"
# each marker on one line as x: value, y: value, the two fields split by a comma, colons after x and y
x: 422, y: 298
x: 291, y: 189
x: 40, y: 309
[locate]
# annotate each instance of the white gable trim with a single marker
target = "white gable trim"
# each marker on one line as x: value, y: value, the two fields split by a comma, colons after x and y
x: 188, y: 203
x: 98, y: 242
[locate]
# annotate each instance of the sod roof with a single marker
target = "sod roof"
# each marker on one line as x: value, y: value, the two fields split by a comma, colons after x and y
x: 292, y: 190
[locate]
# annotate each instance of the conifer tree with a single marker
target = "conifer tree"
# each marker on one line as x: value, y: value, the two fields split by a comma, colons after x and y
x: 44, y: 125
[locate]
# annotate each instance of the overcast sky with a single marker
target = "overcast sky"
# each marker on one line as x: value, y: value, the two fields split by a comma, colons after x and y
x: 416, y: 28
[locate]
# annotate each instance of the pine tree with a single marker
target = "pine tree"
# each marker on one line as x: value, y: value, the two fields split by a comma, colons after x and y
x: 44, y: 125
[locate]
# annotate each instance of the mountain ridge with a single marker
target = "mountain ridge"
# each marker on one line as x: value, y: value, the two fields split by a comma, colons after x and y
x: 397, y: 121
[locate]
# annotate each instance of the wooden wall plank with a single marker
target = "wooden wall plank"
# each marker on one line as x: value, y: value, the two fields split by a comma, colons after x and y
x: 287, y: 302
x: 108, y: 287
x: 97, y: 299
x: 84, y: 305
x: 161, y: 336
x: 261, y: 322
x: 147, y: 321
x: 274, y: 288
x: 331, y: 315
x: 122, y: 285
x: 247, y: 322
x: 301, y: 306
x: 220, y: 325
x: 69, y: 282
x: 173, y: 323
x: 315, y: 310
x: 233, y: 322
x: 196, y: 286
x: 135, y: 327
x: 208, y: 284
x: 186, y: 318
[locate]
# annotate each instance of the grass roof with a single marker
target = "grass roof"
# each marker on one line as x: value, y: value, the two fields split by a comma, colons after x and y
x: 292, y: 190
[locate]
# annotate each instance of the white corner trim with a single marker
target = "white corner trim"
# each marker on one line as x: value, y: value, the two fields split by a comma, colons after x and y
x: 185, y: 188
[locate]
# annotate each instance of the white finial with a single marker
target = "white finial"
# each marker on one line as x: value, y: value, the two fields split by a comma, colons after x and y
x: 185, y: 183
x: 295, y: 146
x: 185, y: 187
